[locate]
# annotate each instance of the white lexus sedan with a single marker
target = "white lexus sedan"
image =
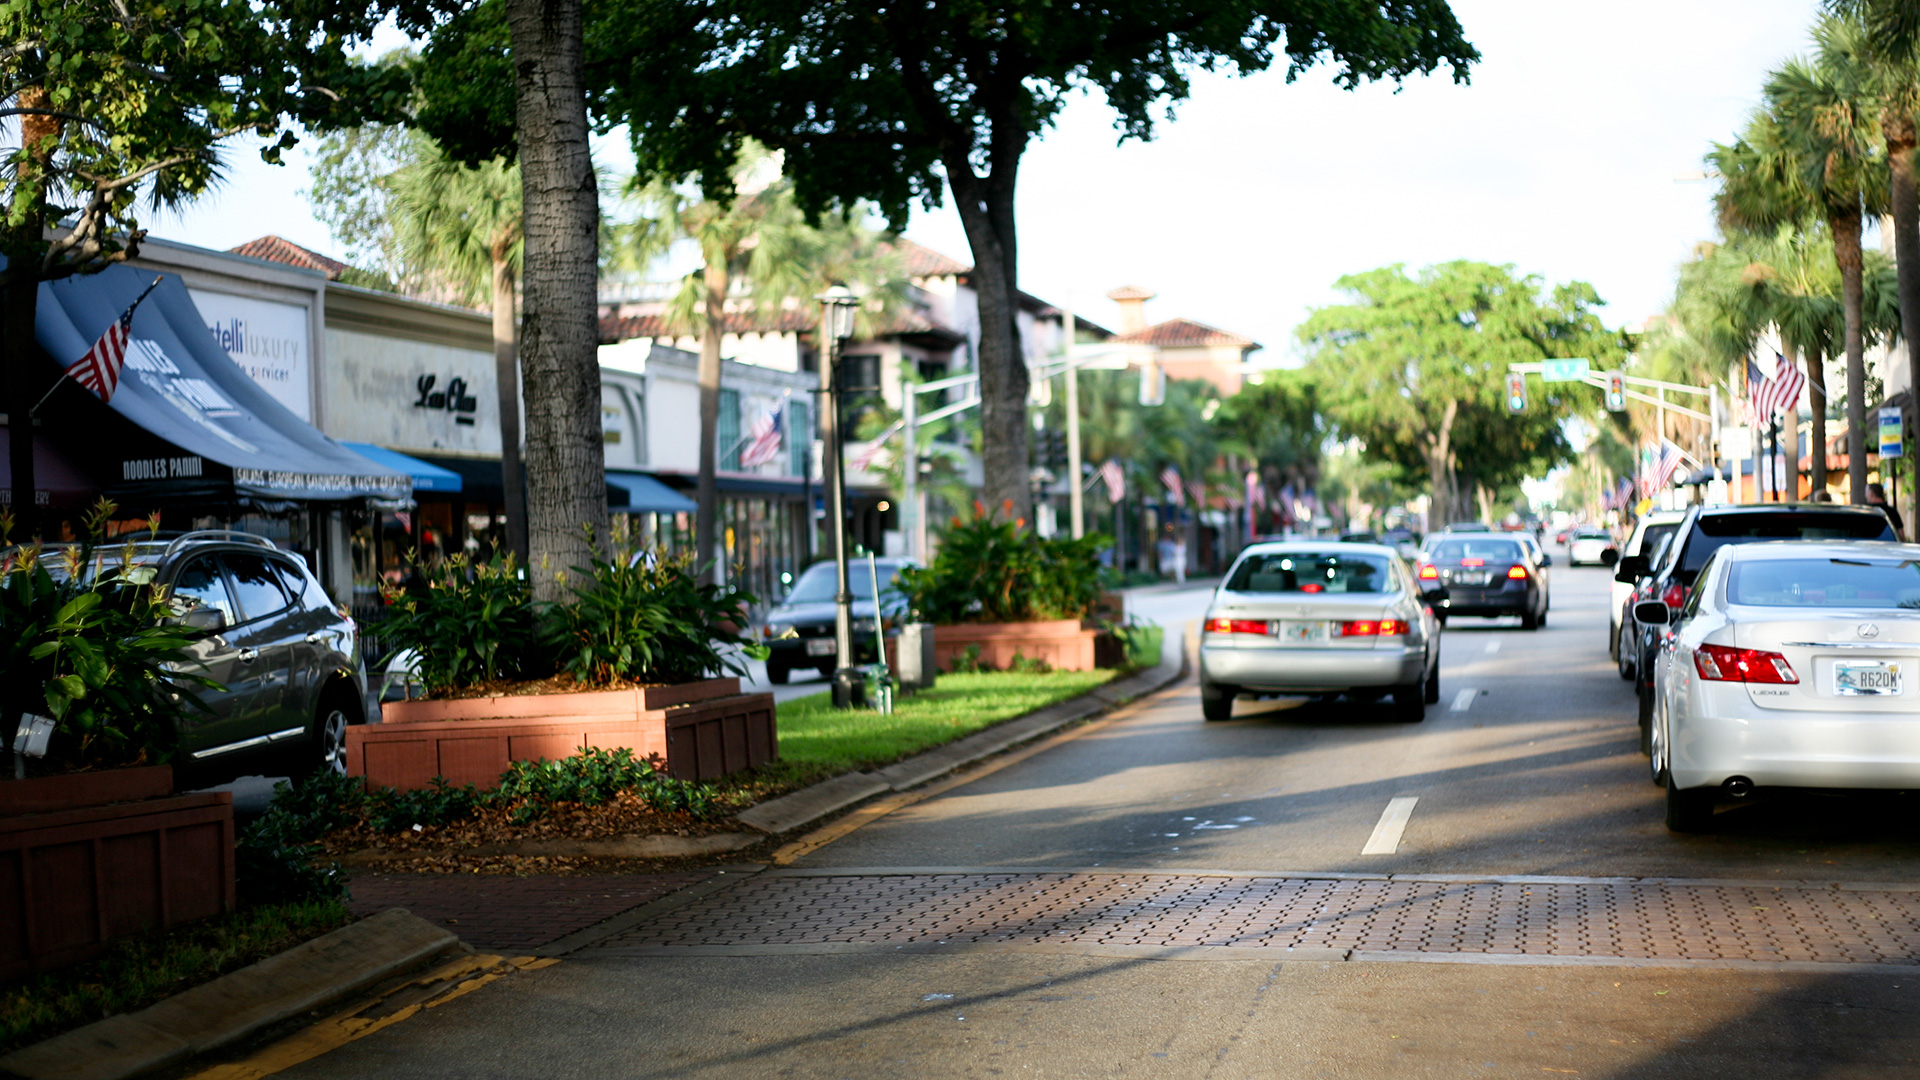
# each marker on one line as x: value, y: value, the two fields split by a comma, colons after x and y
x: 1789, y: 666
x: 1306, y: 617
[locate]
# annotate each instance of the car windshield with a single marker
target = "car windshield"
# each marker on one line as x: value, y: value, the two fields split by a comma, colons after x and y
x: 1655, y: 536
x: 1486, y: 549
x: 1311, y: 572
x: 1825, y: 583
x: 816, y: 585
x: 1719, y: 530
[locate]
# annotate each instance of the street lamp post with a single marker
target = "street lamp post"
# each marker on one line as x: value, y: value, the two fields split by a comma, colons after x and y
x: 836, y: 323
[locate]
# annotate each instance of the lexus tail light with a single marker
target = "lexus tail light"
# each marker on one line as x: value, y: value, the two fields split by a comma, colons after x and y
x: 1722, y: 663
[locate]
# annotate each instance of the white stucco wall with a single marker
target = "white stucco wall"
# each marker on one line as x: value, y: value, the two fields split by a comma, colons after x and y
x: 372, y: 386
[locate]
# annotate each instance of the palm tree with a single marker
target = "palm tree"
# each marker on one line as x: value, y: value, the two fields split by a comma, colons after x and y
x: 463, y: 226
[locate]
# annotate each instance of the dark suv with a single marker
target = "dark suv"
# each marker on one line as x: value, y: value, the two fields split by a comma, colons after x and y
x: 1707, y: 529
x: 799, y: 630
x: 287, y: 658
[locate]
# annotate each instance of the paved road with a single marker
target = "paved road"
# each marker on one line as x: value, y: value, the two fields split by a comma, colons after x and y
x: 1166, y: 897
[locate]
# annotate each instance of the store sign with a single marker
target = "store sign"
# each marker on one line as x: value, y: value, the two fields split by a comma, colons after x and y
x: 268, y: 340
x: 453, y: 399
x: 163, y: 468
x: 1890, y: 443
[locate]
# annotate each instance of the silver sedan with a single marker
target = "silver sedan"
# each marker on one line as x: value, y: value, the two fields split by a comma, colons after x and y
x: 1791, y: 665
x: 1305, y: 617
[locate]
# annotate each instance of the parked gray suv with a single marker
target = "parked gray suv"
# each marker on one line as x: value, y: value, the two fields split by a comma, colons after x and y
x: 286, y: 656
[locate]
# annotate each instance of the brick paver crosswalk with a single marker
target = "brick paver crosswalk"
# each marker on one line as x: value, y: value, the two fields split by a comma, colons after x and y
x: 1549, y: 917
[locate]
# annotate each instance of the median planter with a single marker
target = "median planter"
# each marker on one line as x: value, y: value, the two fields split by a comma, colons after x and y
x: 1063, y: 643
x: 702, y: 730
x: 89, y: 858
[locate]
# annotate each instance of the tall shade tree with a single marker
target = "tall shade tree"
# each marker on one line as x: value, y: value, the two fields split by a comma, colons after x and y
x: 894, y: 103
x: 463, y: 226
x: 1415, y: 368
x: 115, y: 99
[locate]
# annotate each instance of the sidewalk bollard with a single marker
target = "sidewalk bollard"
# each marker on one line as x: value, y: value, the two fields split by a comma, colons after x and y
x: 914, y: 651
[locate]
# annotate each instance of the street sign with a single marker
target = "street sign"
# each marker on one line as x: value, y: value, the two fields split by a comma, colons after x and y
x: 1736, y: 443
x: 1890, y: 445
x: 1616, y: 392
x: 1516, y: 392
x: 1563, y: 370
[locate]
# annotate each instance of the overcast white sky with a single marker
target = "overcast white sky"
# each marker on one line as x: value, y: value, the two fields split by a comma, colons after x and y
x: 1559, y: 158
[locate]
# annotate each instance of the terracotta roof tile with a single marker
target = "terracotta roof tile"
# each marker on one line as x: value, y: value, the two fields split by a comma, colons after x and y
x: 276, y: 249
x: 924, y: 262
x: 1175, y: 333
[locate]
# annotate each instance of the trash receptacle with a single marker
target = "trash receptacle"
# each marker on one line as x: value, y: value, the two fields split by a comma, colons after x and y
x: 915, y: 651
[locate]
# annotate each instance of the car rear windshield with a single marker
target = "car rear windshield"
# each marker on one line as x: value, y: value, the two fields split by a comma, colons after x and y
x: 1825, y: 583
x: 1488, y: 550
x: 1717, y: 531
x: 1650, y: 540
x: 1312, y: 572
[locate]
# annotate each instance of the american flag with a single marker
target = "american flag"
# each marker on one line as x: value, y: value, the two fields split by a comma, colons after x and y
x: 1779, y: 394
x: 1198, y: 490
x: 1170, y: 477
x: 99, y: 370
x: 1665, y: 465
x: 766, y: 437
x: 1116, y: 480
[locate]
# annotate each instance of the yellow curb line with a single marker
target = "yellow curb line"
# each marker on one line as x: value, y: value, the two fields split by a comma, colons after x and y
x: 356, y: 1023
x: 792, y: 852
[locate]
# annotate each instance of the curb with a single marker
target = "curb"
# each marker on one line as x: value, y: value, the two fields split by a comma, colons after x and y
x: 810, y: 804
x: 230, y: 1008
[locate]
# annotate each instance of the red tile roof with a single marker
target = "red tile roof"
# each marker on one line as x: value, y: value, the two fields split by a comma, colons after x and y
x: 1176, y: 333
x: 615, y: 329
x: 276, y: 249
x: 924, y: 262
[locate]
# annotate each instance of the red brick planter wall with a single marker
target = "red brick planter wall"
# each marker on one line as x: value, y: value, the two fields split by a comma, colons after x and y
x: 702, y: 730
x: 1061, y: 642
x: 86, y: 867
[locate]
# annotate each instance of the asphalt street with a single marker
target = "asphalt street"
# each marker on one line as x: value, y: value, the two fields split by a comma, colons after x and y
x: 1528, y: 766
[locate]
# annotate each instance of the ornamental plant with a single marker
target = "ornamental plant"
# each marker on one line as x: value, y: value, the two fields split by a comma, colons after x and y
x: 88, y: 640
x: 469, y: 621
x: 995, y: 570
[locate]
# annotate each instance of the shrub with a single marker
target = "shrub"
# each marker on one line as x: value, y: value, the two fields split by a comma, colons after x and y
x: 991, y: 570
x: 277, y: 854
x: 645, y: 617
x: 967, y: 661
x: 469, y: 621
x: 1029, y: 665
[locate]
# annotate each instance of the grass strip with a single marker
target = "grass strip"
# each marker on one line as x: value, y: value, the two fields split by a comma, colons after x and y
x: 141, y: 971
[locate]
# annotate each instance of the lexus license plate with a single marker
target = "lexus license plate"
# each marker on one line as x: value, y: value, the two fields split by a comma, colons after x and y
x: 1857, y: 678
x: 1303, y: 633
x: 820, y: 646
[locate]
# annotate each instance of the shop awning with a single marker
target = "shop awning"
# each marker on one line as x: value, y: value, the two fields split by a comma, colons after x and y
x: 57, y: 481
x: 647, y: 495
x: 480, y: 481
x: 185, y: 422
x: 426, y: 475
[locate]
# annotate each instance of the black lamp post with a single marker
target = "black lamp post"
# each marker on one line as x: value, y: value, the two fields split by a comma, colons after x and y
x: 837, y: 306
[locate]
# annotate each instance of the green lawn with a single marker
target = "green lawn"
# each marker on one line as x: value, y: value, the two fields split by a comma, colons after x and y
x: 817, y: 738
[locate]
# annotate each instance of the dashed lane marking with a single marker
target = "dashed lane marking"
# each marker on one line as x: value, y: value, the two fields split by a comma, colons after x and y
x: 1493, y: 646
x: 1464, y: 699
x: 1393, y: 821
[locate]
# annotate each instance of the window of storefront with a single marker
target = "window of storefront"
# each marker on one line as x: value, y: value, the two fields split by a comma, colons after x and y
x: 727, y: 444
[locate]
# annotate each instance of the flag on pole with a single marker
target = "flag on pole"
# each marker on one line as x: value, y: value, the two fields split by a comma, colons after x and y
x: 99, y: 370
x: 1170, y: 477
x: 1116, y: 480
x: 766, y: 438
x: 1665, y: 465
x: 873, y: 455
x: 1198, y: 489
x: 1780, y: 393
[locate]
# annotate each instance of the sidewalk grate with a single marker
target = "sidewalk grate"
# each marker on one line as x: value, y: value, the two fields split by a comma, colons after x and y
x: 1593, y: 918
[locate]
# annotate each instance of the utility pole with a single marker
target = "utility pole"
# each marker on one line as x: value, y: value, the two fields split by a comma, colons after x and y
x: 836, y: 315
x: 1076, y: 495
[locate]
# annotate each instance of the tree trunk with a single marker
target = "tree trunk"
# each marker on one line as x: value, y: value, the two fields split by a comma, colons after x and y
x: 707, y: 493
x: 1846, y: 252
x: 506, y: 372
x: 1440, y: 468
x: 986, y: 211
x: 560, y: 334
x: 1898, y: 124
x: 1817, y: 403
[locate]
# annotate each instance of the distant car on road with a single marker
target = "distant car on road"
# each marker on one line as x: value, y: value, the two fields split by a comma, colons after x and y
x: 1591, y: 547
x: 1490, y: 574
x: 1309, y: 617
x: 1789, y: 665
x: 799, y: 631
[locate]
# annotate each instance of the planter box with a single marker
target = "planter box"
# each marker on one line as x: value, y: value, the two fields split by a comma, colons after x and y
x: 1064, y: 643
x: 702, y: 730
x: 105, y: 856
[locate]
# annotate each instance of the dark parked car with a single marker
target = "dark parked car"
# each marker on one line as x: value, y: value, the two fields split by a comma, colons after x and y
x: 800, y: 630
x: 286, y: 657
x: 1491, y: 574
x: 1707, y: 529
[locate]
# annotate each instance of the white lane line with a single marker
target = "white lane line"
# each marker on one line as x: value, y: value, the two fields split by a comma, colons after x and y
x: 1393, y: 821
x: 1464, y: 698
x: 1493, y: 646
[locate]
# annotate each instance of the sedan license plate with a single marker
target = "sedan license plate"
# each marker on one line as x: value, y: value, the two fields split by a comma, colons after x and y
x: 1866, y: 678
x: 1303, y: 633
x: 822, y: 646
x: 1471, y: 577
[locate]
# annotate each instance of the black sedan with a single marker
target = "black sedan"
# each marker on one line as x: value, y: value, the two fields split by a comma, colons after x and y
x: 1489, y: 574
x: 800, y: 630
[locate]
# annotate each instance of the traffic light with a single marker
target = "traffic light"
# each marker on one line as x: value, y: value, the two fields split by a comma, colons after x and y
x: 1616, y: 392
x: 1516, y: 392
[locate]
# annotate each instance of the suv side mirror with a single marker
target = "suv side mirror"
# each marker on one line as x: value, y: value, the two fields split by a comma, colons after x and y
x: 1630, y: 568
x: 1609, y: 557
x: 1652, y: 613
x: 209, y: 619
x: 1546, y: 559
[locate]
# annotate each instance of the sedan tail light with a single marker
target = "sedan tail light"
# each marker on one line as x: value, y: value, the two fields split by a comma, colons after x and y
x: 1722, y: 663
x: 1374, y: 628
x: 1236, y: 626
x: 1675, y: 597
x: 1429, y: 572
x: 1518, y: 573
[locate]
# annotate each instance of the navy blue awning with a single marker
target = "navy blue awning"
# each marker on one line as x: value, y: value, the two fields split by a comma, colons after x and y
x: 647, y: 495
x: 426, y: 475
x: 193, y: 424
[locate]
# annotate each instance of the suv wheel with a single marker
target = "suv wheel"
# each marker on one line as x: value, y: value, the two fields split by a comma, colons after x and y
x: 330, y: 738
x: 778, y: 672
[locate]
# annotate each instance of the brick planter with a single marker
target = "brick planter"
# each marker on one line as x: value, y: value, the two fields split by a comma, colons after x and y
x: 92, y: 857
x: 702, y: 730
x: 1060, y: 642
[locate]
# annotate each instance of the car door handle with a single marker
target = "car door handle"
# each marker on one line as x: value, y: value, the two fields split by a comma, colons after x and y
x: 316, y: 637
x: 247, y: 656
